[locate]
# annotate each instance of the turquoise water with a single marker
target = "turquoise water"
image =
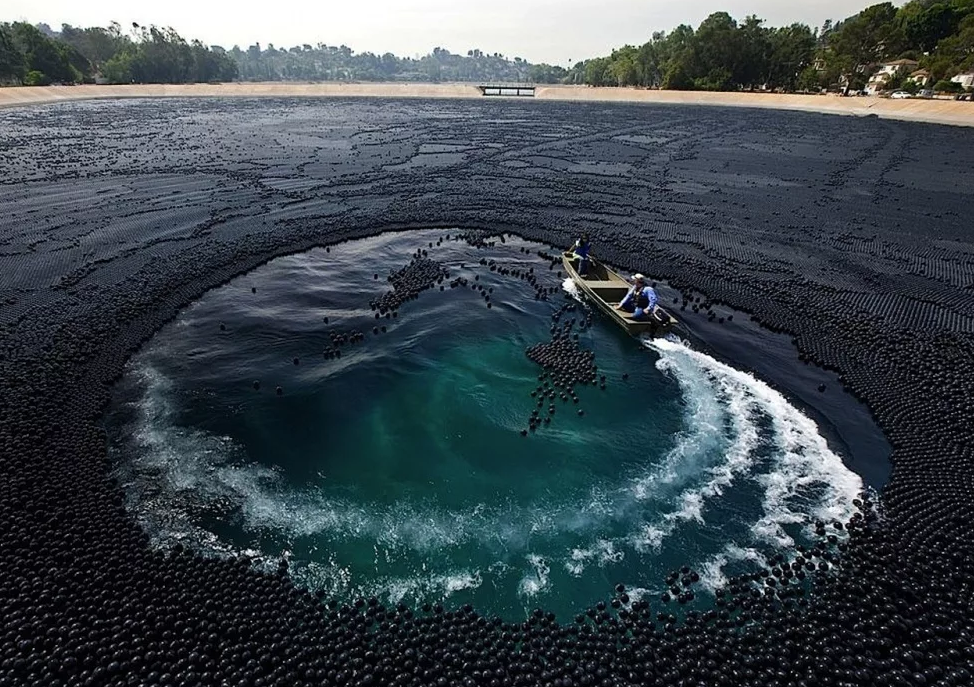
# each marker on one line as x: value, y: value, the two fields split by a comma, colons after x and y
x: 399, y: 468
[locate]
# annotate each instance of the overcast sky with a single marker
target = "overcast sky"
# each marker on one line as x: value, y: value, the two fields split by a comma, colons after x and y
x: 554, y: 31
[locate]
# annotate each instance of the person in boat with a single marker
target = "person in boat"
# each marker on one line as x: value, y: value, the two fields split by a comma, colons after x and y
x: 581, y: 250
x: 641, y: 300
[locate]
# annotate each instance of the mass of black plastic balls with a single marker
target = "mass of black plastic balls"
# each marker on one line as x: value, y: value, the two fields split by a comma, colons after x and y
x: 420, y: 274
x: 566, y: 365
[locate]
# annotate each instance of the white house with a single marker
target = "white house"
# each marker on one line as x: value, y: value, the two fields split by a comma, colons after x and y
x: 966, y: 80
x: 877, y: 82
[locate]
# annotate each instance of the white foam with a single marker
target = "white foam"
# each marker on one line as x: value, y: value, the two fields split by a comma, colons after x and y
x: 805, y: 479
x: 537, y: 580
x: 638, y: 593
x: 711, y: 571
x: 699, y: 441
x: 603, y: 552
x: 714, y: 402
x: 571, y: 287
x: 423, y: 586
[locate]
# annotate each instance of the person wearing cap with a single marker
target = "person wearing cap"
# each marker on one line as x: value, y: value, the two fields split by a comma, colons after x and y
x: 581, y: 250
x: 641, y: 299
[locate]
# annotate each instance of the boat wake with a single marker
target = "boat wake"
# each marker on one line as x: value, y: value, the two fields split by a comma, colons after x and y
x: 747, y: 473
x: 800, y: 479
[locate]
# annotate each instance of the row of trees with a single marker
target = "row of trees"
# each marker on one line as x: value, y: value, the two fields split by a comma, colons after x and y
x: 28, y: 56
x: 723, y: 54
x: 323, y: 62
x: 36, y: 55
x: 720, y: 55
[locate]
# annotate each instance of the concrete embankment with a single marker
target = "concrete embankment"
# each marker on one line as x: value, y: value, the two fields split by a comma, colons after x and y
x: 934, y: 111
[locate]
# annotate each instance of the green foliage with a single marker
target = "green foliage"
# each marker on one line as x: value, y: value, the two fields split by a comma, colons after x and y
x: 924, y: 24
x: 723, y: 54
x: 55, y: 61
x: 870, y: 36
x: 810, y: 79
x: 12, y: 63
x: 329, y: 63
x: 36, y: 55
x: 791, y: 55
x: 945, y: 86
x: 678, y: 76
x: 36, y: 78
x: 546, y: 73
x: 720, y: 55
x: 118, y: 69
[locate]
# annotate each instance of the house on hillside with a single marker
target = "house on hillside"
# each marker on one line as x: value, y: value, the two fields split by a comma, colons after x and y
x: 877, y: 82
x: 921, y: 77
x: 966, y: 80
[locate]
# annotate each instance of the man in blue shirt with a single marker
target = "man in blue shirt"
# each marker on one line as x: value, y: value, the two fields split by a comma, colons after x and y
x: 581, y: 250
x: 641, y: 299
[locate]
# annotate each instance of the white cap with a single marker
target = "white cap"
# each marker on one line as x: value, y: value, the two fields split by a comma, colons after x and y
x: 637, y: 277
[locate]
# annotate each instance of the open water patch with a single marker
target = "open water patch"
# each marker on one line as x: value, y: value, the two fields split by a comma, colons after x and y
x: 287, y: 416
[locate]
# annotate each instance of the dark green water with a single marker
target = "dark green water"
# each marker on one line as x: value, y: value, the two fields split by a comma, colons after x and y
x: 399, y: 470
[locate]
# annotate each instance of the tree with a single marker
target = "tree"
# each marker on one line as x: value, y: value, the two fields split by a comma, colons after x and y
x: 597, y: 72
x: 756, y: 48
x: 678, y: 76
x: 958, y: 49
x: 924, y: 25
x: 792, y: 53
x: 36, y: 78
x: 622, y: 67
x: 717, y: 53
x: 42, y: 54
x: 945, y: 86
x: 546, y: 73
x: 118, y: 69
x: 868, y: 37
x: 809, y: 80
x: 649, y: 64
x: 12, y: 63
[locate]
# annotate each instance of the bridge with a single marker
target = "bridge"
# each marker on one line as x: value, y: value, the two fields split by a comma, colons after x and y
x: 516, y: 90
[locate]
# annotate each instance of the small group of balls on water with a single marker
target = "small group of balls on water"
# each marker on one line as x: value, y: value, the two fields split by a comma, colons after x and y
x: 565, y: 365
x: 339, y: 339
x: 463, y: 282
x: 541, y: 292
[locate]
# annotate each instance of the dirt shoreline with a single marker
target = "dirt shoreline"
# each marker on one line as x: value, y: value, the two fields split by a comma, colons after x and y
x: 933, y: 111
